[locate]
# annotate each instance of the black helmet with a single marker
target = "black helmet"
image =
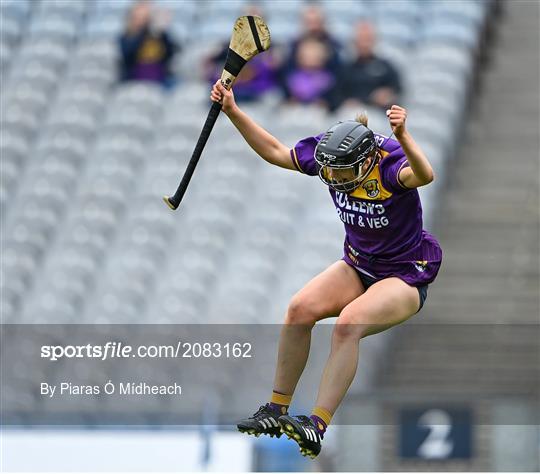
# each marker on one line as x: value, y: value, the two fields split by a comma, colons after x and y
x: 346, y: 145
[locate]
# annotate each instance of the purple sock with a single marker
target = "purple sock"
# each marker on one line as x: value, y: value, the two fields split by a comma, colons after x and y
x: 319, y: 424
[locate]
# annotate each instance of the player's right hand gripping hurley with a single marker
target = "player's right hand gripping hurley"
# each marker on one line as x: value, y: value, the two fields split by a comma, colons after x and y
x: 250, y: 37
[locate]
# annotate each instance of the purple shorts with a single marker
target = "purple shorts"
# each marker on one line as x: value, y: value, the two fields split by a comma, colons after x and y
x: 367, y: 281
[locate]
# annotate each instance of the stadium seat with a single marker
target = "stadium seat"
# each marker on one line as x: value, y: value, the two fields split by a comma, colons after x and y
x: 119, y: 143
x: 40, y: 189
x: 131, y: 121
x: 228, y: 11
x: 92, y: 71
x: 6, y: 52
x: 11, y: 30
x: 193, y: 96
x: 13, y: 147
x: 429, y: 76
x: 80, y: 236
x: 397, y: 31
x: 61, y: 140
x: 33, y: 99
x: 19, y: 119
x: 184, y: 11
x: 80, y: 120
x: 188, y: 65
x: 143, y: 94
x: 446, y: 31
x: 9, y: 175
x: 18, y: 9
x: 473, y: 13
x: 53, y: 26
x: 73, y: 10
x: 97, y: 50
x: 431, y: 99
x: 283, y: 28
x: 276, y: 10
x: 106, y: 26
x: 37, y: 74
x: 350, y: 11
x: 397, y: 53
x: 82, y: 94
x: 51, y: 52
x: 410, y: 12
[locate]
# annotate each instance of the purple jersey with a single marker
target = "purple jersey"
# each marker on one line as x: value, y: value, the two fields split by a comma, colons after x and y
x: 382, y: 218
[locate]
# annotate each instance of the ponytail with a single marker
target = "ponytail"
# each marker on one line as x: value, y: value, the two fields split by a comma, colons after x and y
x: 362, y: 118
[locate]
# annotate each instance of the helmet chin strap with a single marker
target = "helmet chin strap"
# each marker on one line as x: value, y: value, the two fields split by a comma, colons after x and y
x: 375, y: 159
x: 372, y: 165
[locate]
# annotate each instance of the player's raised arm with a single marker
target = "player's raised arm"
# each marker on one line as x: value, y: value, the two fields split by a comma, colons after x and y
x: 420, y: 171
x: 265, y: 144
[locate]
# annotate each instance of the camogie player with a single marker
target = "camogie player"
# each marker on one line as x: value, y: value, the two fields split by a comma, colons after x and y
x: 388, y: 261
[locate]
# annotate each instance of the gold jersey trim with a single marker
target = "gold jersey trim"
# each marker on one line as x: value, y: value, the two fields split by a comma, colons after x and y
x: 372, y: 187
x: 296, y: 162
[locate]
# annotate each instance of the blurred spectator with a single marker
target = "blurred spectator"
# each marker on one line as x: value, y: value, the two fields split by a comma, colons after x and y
x: 309, y: 81
x: 314, y: 57
x: 368, y: 79
x: 147, y: 49
x: 256, y: 78
x: 313, y: 24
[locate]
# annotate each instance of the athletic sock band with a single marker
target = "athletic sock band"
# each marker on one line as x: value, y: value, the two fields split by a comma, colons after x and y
x: 280, y: 402
x: 280, y: 399
x: 323, y: 414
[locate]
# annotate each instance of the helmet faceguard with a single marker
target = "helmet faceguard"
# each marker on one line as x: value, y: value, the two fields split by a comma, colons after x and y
x: 346, y: 186
x: 346, y: 146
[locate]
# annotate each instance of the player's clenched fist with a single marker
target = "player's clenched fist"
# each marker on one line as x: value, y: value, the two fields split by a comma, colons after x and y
x: 397, y: 116
x: 223, y: 96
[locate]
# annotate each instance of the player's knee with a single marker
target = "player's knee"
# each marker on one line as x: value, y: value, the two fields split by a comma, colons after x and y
x: 301, y: 310
x: 348, y: 327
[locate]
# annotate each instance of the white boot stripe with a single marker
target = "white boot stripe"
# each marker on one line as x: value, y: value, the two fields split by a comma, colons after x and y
x: 262, y: 423
x: 274, y: 422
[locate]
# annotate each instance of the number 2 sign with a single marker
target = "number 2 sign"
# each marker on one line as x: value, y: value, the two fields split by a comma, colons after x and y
x: 435, y: 433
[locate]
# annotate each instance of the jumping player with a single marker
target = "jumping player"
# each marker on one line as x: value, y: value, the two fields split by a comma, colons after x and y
x: 388, y: 261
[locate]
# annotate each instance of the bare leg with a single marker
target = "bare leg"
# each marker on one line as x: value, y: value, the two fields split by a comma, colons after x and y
x: 324, y: 296
x: 385, y: 304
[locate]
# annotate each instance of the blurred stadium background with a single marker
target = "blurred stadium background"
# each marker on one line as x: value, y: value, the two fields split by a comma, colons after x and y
x: 87, y: 239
